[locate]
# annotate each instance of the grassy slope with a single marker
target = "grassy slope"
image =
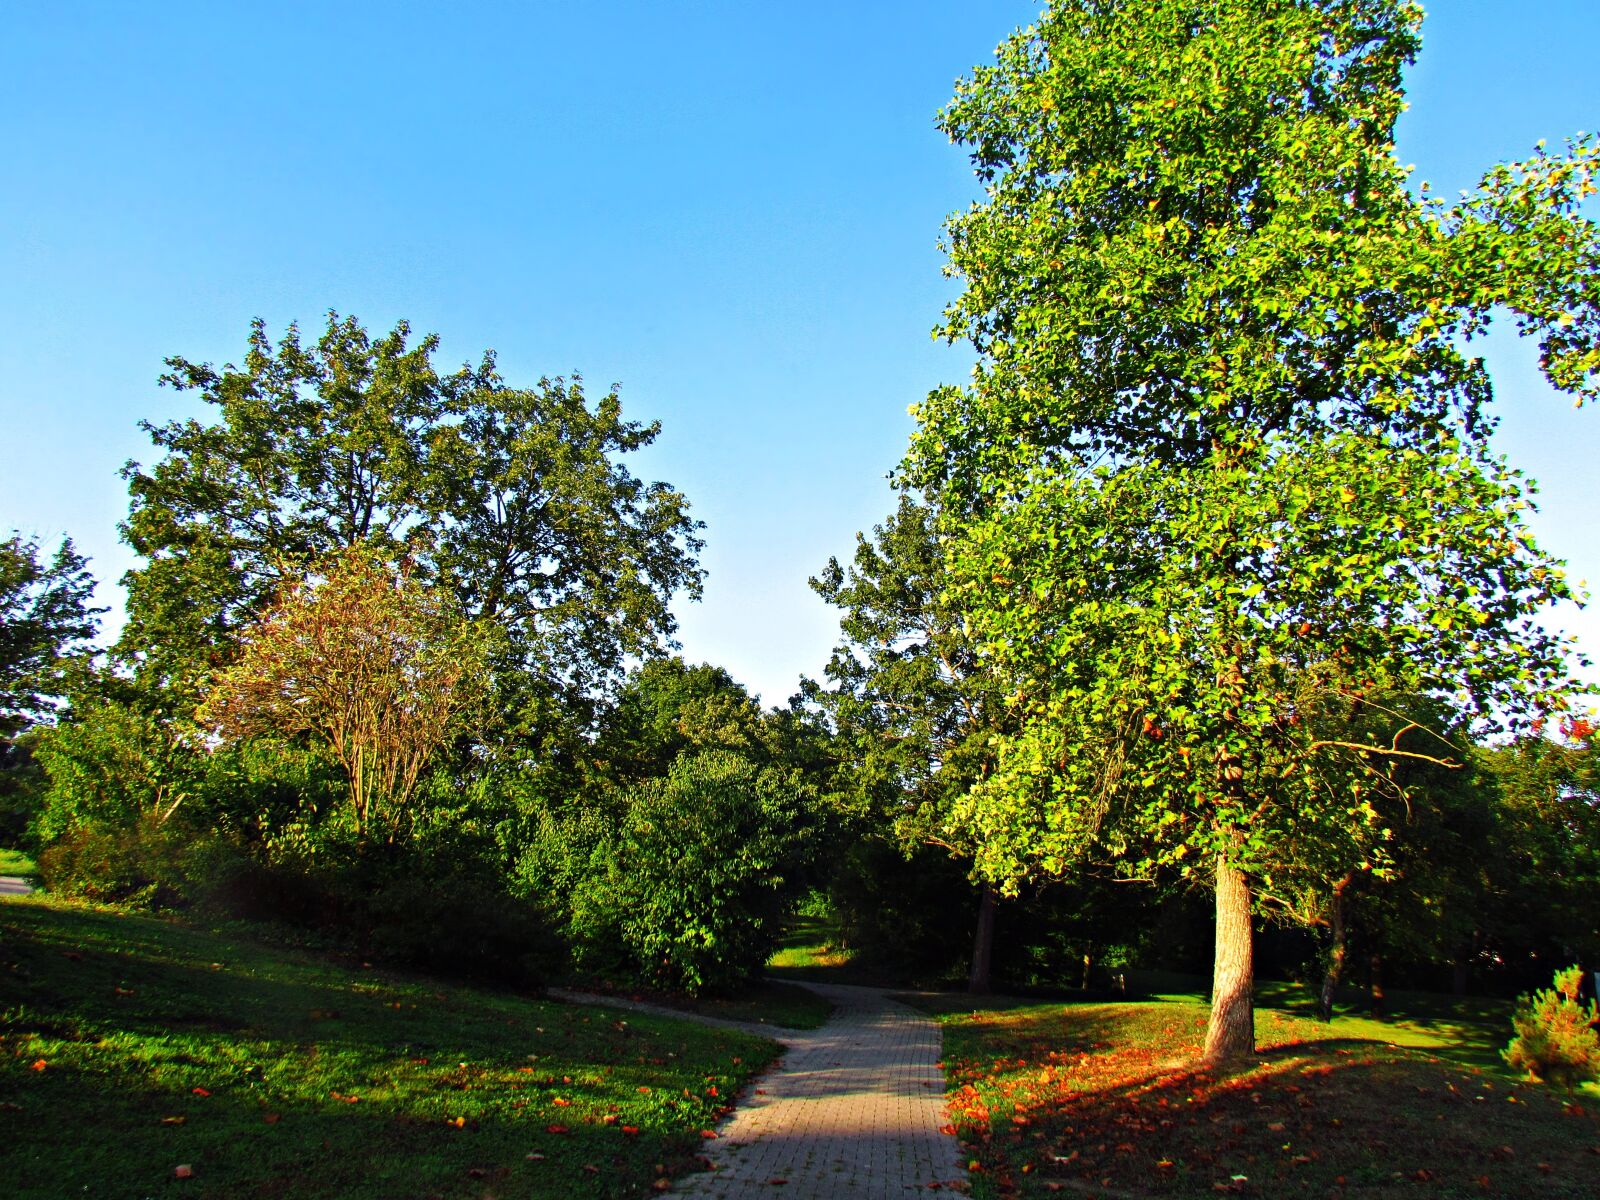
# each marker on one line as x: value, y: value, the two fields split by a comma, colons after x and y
x: 15, y: 862
x: 1104, y: 1099
x: 130, y: 1046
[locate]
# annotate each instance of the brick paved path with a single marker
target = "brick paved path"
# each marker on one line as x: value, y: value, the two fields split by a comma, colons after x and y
x: 852, y: 1110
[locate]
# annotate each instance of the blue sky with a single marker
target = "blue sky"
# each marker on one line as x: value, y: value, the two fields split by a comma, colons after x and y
x: 731, y: 209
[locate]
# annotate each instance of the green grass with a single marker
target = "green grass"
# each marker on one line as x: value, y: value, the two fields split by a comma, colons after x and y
x: 130, y: 1047
x: 786, y: 1005
x: 1107, y: 1099
x: 15, y: 862
x: 812, y: 951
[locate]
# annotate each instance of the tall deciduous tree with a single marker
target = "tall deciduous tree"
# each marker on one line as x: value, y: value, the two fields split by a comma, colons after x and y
x: 1222, y: 477
x: 367, y: 661
x: 517, y: 499
x: 47, y: 620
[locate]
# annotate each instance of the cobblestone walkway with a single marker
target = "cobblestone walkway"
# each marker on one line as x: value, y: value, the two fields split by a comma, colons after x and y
x: 851, y: 1111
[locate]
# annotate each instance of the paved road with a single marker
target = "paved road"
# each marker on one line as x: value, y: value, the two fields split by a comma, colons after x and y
x: 852, y: 1111
x: 14, y: 885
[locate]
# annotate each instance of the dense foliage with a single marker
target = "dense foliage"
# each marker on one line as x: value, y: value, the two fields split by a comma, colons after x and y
x: 1557, y: 1039
x: 368, y: 664
x: 515, y: 499
x: 690, y: 890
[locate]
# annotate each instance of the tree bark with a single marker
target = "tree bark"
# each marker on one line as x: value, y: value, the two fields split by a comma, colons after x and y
x: 1375, y: 980
x: 979, y: 981
x: 1232, y: 1031
x: 1338, y: 950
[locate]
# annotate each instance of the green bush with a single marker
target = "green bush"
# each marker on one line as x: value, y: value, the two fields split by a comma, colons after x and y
x: 460, y: 923
x: 1556, y: 1034
x: 690, y: 890
x: 147, y: 863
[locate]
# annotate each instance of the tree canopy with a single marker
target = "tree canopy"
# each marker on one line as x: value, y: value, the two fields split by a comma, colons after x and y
x: 368, y: 663
x: 514, y: 498
x: 1221, y: 485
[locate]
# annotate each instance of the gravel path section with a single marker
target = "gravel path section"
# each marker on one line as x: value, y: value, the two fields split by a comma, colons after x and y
x: 852, y: 1111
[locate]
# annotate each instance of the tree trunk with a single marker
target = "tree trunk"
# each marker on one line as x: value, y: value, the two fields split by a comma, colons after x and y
x: 1375, y: 981
x: 979, y: 982
x: 1338, y: 950
x: 1088, y: 967
x: 1232, y: 1031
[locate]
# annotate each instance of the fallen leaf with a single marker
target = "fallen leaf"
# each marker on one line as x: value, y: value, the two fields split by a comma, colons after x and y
x: 183, y: 1170
x: 199, y: 1091
x: 556, y: 1129
x: 38, y: 1065
x: 173, y: 1120
x: 272, y: 1118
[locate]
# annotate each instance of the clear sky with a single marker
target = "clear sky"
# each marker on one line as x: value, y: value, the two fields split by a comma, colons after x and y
x: 730, y: 209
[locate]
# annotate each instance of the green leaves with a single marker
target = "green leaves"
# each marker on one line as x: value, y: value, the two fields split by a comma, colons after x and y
x: 514, y: 498
x: 1219, y: 498
x: 46, y: 619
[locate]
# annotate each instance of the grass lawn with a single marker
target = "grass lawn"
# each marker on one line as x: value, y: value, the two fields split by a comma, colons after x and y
x: 133, y: 1050
x: 811, y: 951
x: 1105, y: 1100
x: 15, y: 862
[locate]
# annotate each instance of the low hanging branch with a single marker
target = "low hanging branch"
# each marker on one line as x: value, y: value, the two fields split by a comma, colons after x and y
x: 368, y: 661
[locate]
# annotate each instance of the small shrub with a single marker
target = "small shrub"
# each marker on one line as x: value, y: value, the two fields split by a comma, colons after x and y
x: 1556, y: 1034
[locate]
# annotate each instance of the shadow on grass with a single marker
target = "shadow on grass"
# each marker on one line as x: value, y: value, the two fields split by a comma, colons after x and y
x: 1110, y: 1098
x: 133, y: 1046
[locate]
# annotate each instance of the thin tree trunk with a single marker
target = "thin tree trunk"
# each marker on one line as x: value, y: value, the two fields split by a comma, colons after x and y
x: 1338, y: 950
x: 979, y: 981
x: 1232, y: 1031
x: 1461, y: 971
x: 1375, y: 978
x: 1088, y: 967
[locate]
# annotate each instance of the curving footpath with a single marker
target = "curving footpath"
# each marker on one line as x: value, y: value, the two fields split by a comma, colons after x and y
x: 852, y: 1109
